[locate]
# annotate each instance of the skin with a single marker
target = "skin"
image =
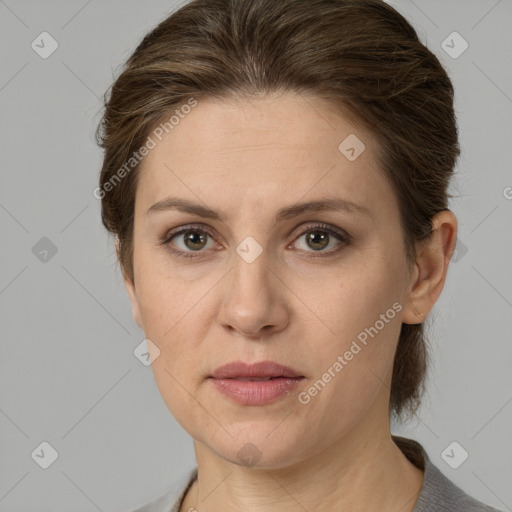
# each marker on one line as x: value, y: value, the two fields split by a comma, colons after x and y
x: 249, y: 158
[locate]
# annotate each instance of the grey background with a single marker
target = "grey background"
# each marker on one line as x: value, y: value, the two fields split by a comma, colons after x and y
x: 68, y: 375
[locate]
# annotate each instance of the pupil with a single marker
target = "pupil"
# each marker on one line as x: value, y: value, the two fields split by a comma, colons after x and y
x: 315, y: 239
x: 192, y: 237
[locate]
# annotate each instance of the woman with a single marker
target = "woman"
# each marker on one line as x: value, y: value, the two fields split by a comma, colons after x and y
x: 275, y: 175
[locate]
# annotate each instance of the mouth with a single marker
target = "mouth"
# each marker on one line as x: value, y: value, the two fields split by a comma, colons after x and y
x: 255, y: 372
x: 256, y: 391
x: 259, y: 379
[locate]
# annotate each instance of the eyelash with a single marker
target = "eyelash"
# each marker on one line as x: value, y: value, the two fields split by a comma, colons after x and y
x: 342, y: 236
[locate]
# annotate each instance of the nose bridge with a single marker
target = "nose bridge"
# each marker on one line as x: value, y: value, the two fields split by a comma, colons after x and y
x: 250, y: 276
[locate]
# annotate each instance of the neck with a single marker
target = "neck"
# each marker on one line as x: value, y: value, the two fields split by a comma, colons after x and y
x: 361, y: 472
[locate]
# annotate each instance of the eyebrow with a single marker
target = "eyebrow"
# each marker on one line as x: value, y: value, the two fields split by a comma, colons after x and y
x: 286, y: 213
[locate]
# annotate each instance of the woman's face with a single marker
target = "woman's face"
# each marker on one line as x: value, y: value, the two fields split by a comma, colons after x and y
x: 248, y: 284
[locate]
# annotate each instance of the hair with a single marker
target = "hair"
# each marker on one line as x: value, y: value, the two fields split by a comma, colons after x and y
x: 361, y: 56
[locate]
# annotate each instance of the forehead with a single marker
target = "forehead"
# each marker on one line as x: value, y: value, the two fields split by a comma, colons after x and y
x: 262, y: 151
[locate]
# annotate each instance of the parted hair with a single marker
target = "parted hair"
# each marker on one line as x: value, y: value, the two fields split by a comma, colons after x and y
x: 362, y: 56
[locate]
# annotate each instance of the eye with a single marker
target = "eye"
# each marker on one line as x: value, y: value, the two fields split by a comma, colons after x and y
x: 190, y: 240
x: 320, y: 236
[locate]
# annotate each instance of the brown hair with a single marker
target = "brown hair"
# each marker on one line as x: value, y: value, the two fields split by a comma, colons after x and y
x: 360, y: 55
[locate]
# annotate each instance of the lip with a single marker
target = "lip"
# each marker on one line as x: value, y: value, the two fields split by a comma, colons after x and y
x: 263, y: 369
x: 256, y: 393
x: 229, y: 380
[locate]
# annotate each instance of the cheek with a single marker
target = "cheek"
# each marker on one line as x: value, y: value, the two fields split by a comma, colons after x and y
x: 361, y: 306
x: 170, y: 310
x: 354, y: 366
x: 177, y: 314
x: 165, y: 297
x: 352, y: 297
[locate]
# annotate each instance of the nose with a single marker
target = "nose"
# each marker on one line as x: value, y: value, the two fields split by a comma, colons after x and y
x: 254, y: 302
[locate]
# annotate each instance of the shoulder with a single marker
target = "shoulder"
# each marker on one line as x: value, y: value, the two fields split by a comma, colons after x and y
x: 439, y: 493
x: 171, y: 500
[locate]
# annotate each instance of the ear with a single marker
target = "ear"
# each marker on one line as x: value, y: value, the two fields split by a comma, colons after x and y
x: 431, y: 267
x: 132, y: 294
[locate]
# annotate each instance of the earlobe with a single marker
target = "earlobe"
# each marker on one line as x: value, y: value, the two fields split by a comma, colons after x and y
x: 132, y: 294
x: 431, y: 268
x: 411, y: 315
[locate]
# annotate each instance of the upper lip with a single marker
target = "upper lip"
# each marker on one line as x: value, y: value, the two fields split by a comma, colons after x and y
x: 240, y: 369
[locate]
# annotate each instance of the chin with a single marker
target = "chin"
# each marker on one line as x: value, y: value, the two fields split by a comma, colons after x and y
x: 255, y: 445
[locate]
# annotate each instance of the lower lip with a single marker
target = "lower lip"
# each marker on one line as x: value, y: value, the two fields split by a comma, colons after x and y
x: 256, y: 392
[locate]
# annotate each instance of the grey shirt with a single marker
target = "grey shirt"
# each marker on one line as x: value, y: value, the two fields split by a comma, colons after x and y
x: 438, y: 493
